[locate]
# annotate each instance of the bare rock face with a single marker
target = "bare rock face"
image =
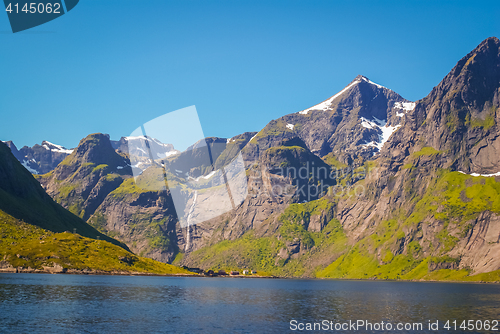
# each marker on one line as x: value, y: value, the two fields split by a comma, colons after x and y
x: 480, y: 248
x: 459, y: 117
x: 145, y: 220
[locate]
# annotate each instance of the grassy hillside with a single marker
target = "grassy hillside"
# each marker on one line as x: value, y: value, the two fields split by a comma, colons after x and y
x: 21, y: 196
x: 26, y: 246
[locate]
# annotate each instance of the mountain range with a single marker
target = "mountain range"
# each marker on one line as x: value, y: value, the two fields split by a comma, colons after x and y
x: 391, y: 189
x: 39, y: 235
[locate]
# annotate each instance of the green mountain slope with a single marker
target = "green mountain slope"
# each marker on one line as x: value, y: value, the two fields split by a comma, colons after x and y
x: 96, y: 183
x: 21, y: 196
x: 28, y: 248
x: 37, y: 234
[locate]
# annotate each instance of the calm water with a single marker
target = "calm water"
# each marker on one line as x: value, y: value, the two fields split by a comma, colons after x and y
x: 96, y: 304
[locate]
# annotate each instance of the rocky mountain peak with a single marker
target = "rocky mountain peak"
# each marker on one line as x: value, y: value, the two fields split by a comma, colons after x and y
x: 39, y: 159
x: 14, y: 150
x: 362, y: 78
x: 55, y: 148
x: 459, y: 118
x: 93, y: 151
x: 97, y: 149
x: 473, y: 81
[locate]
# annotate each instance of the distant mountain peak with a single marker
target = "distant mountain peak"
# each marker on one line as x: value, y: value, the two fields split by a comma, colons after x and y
x: 39, y: 159
x: 97, y: 148
x: 55, y: 148
x: 361, y: 78
x: 326, y: 105
x: 471, y: 86
x: 489, y: 42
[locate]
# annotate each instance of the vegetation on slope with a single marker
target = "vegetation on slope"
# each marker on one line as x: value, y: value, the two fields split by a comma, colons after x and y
x: 452, y: 197
x: 26, y: 246
x: 21, y: 196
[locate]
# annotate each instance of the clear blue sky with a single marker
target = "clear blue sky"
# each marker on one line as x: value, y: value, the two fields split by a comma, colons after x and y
x: 111, y: 65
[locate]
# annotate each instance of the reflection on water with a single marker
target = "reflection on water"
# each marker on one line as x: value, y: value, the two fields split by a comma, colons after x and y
x: 93, y: 304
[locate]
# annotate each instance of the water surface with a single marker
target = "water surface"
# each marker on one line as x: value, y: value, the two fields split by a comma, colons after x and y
x: 135, y: 304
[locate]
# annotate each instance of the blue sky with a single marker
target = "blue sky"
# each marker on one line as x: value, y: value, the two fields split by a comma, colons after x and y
x: 110, y: 66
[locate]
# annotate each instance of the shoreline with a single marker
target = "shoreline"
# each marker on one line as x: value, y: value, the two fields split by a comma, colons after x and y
x: 124, y: 273
x: 64, y: 271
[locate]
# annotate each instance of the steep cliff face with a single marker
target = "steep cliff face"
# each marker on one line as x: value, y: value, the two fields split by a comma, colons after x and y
x: 144, y: 220
x: 459, y: 117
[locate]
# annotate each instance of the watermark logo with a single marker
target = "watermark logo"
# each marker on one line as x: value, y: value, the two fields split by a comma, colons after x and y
x: 28, y: 14
x: 171, y: 152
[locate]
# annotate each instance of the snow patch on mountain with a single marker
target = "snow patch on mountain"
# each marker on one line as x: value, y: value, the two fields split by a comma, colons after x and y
x: 405, y: 106
x: 165, y: 154
x: 132, y: 138
x: 326, y: 104
x: 31, y: 170
x: 206, y: 177
x: 476, y: 174
x: 367, y: 124
x: 373, y: 83
x: 55, y: 148
x: 385, y: 131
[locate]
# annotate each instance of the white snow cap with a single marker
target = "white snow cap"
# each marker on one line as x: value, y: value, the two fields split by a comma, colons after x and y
x: 326, y: 104
x: 55, y: 148
x: 373, y: 83
x: 144, y: 138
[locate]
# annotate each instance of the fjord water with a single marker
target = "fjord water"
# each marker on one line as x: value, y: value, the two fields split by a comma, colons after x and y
x: 134, y: 304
